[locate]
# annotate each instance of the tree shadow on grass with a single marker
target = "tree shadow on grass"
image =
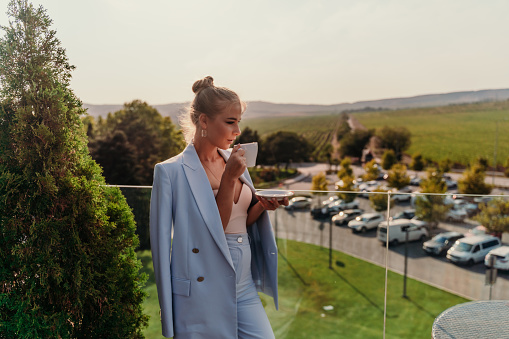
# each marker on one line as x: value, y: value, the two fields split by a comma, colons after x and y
x: 433, y: 316
x: 357, y: 290
x: 294, y: 270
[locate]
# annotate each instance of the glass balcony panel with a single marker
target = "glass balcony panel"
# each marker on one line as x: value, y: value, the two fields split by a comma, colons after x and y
x: 333, y: 280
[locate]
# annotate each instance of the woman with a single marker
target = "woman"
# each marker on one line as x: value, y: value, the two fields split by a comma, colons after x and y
x: 222, y: 250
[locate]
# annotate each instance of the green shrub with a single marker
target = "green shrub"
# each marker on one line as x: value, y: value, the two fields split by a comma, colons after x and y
x: 397, y: 176
x: 372, y: 170
x: 346, y: 168
x: 379, y: 201
x: 473, y: 180
x: 417, y: 163
x: 388, y: 159
x: 67, y: 263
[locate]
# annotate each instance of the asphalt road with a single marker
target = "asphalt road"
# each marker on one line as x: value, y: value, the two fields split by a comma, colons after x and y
x: 437, y: 271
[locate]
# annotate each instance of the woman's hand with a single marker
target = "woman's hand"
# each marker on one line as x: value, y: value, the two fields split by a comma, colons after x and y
x: 262, y: 205
x: 236, y: 164
x: 272, y: 203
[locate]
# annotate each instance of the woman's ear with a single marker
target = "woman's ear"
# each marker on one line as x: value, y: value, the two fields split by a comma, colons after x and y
x: 203, y: 120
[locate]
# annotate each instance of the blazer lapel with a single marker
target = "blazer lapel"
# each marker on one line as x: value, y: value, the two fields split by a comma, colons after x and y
x: 202, y: 192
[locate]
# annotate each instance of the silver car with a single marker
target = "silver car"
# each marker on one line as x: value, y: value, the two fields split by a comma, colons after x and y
x: 299, y: 203
x: 343, y: 217
x: 366, y: 222
x: 440, y: 243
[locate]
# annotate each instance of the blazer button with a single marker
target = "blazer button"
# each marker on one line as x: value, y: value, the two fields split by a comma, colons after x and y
x: 195, y: 250
x: 200, y: 279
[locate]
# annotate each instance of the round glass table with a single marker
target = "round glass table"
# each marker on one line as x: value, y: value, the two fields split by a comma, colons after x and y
x: 475, y: 319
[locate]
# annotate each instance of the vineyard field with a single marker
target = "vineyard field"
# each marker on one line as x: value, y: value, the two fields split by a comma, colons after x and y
x: 458, y: 132
x: 319, y: 130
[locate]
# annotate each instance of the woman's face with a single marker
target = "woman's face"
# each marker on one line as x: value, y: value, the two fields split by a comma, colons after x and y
x: 223, y: 128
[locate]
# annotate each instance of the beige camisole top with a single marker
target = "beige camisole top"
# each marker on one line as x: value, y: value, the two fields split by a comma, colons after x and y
x: 238, y: 218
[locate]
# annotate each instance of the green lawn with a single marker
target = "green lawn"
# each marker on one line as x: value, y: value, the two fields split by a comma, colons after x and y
x: 354, y: 288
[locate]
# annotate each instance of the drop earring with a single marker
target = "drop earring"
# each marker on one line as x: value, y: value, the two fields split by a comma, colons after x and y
x: 204, y: 133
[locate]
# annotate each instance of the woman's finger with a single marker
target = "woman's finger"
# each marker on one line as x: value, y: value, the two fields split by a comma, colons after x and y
x: 241, y: 151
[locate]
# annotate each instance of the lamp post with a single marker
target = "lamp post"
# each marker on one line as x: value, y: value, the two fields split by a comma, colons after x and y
x: 330, y: 243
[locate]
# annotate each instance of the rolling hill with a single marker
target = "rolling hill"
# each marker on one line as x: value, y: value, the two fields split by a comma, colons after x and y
x: 257, y: 109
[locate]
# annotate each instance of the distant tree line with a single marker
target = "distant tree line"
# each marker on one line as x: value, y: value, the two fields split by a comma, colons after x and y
x: 129, y: 142
x: 281, y: 147
x: 353, y: 142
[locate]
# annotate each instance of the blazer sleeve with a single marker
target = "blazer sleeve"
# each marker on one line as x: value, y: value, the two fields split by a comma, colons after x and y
x: 160, y: 243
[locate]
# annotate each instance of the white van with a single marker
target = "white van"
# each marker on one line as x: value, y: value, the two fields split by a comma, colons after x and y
x: 469, y: 250
x: 397, y: 234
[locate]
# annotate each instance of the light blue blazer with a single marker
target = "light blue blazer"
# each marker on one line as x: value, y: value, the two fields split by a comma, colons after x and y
x: 194, y: 273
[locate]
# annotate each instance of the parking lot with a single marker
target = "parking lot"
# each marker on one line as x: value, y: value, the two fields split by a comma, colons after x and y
x: 466, y: 281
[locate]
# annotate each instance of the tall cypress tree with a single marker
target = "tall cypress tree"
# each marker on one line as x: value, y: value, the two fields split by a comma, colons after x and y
x: 67, y: 263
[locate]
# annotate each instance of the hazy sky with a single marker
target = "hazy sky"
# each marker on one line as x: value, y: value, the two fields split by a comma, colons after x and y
x: 291, y: 51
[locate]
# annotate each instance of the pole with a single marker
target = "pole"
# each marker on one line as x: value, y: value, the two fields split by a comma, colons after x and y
x: 330, y: 243
x: 406, y: 263
x: 491, y: 286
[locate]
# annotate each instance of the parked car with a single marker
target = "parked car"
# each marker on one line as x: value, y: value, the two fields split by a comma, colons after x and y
x: 406, y: 214
x: 470, y: 208
x: 477, y: 230
x: 299, y: 203
x: 333, y: 208
x: 450, y: 183
x: 482, y: 200
x: 399, y: 196
x: 441, y: 242
x: 343, y: 217
x: 415, y: 181
x: 416, y: 229
x: 501, y: 255
x: 365, y: 222
x: 469, y: 250
x: 341, y: 205
x: 381, y: 176
x: 366, y: 187
x: 339, y: 184
x: 456, y: 214
x: 331, y: 199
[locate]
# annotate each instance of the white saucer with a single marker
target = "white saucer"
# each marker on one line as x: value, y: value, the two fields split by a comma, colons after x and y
x: 279, y: 194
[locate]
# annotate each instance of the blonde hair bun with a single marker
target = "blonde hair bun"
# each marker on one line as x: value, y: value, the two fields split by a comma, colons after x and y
x: 209, y: 100
x: 198, y: 85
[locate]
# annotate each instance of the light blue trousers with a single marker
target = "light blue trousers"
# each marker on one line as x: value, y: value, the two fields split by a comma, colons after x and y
x: 252, y: 319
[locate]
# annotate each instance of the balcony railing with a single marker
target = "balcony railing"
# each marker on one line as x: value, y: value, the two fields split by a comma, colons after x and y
x: 340, y: 277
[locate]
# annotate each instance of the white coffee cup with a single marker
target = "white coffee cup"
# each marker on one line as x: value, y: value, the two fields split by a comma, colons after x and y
x: 251, y: 150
